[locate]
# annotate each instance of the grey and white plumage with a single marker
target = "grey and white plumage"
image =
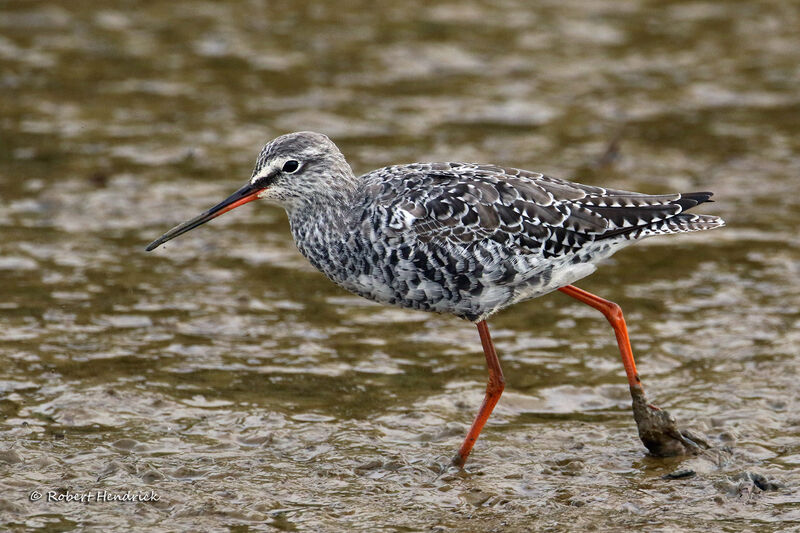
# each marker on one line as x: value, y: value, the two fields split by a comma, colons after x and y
x: 464, y: 239
x: 457, y: 238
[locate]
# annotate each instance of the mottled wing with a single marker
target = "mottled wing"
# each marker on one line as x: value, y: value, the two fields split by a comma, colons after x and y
x: 462, y: 206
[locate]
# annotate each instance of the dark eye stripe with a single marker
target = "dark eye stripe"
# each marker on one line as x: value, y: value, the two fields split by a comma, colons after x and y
x: 267, y: 180
x: 291, y: 166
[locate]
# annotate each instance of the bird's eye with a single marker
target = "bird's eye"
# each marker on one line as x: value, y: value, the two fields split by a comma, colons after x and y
x: 291, y: 166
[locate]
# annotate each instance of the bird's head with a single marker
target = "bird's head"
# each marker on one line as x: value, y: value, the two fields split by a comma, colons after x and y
x: 293, y: 170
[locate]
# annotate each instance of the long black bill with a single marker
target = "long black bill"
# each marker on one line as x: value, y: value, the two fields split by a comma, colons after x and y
x: 248, y: 193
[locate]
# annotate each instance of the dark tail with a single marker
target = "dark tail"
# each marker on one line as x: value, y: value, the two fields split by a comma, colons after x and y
x: 638, y: 216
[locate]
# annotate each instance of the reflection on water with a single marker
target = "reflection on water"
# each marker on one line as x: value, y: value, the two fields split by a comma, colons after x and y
x: 227, y: 375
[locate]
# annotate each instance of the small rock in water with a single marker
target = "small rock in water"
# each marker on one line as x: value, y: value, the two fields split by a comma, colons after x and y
x: 679, y: 474
x: 759, y: 481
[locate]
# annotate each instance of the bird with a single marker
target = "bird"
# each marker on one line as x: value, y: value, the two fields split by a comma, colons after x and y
x: 462, y: 239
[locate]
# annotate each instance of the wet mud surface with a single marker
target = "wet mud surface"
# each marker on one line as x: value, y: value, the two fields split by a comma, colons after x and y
x: 223, y: 375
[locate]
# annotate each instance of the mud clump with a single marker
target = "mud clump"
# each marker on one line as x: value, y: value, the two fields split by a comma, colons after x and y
x: 658, y: 430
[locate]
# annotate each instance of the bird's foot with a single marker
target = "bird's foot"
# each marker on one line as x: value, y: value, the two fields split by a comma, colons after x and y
x: 458, y: 461
x: 659, y: 431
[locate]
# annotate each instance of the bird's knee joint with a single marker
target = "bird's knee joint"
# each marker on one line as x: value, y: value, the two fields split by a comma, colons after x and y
x: 496, y: 384
x: 613, y: 312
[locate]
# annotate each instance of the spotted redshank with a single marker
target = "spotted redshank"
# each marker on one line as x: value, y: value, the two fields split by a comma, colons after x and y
x: 463, y: 239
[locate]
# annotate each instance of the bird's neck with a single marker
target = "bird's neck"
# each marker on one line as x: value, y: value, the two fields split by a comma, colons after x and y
x: 320, y: 232
x: 329, y: 208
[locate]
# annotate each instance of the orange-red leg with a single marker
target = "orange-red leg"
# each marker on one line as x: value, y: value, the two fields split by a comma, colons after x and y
x: 657, y: 428
x: 494, y: 388
x: 613, y: 313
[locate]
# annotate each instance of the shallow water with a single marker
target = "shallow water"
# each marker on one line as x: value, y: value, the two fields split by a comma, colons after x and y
x: 245, y: 390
